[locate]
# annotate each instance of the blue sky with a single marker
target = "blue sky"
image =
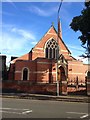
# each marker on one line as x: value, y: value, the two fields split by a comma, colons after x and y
x: 25, y: 23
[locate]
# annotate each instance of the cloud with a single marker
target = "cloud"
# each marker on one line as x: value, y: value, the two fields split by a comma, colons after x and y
x: 43, y: 12
x: 34, y: 42
x: 16, y: 41
x: 6, y: 13
x: 25, y: 34
x: 7, y: 26
x: 76, y: 48
x: 13, y: 46
x: 77, y: 51
x: 11, y: 43
x: 84, y: 60
x: 11, y: 2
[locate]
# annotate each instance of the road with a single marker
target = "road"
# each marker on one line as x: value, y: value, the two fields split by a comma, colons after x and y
x: 25, y: 108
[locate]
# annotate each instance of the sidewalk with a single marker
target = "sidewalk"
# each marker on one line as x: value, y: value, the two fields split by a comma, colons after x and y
x: 68, y: 98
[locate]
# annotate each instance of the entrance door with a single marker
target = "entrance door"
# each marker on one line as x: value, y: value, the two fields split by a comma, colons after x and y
x: 61, y: 74
x: 62, y: 80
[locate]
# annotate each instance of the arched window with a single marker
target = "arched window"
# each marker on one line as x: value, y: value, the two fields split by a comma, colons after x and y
x: 25, y: 74
x: 51, y: 49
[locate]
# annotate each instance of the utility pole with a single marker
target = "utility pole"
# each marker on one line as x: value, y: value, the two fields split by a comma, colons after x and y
x: 58, y: 50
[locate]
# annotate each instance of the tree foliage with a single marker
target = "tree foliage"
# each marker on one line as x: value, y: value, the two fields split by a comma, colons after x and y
x: 82, y: 23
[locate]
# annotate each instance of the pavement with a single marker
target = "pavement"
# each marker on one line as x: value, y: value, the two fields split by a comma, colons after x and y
x: 68, y: 98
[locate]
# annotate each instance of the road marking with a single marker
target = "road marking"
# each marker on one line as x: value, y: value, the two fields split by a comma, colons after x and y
x: 12, y: 109
x: 84, y: 116
x: 75, y: 113
x: 11, y: 112
x: 29, y: 111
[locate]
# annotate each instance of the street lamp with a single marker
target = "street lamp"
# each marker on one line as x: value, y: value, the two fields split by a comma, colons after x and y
x: 58, y: 49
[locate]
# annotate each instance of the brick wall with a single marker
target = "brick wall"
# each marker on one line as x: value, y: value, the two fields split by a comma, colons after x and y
x: 44, y: 70
x: 29, y: 87
x: 40, y: 70
x: 76, y: 69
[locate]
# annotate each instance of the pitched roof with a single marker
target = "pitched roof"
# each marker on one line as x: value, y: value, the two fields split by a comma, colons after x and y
x: 50, y: 29
x: 53, y: 30
x: 24, y: 57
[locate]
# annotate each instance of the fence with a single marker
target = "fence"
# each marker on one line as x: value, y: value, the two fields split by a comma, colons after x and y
x: 77, y: 87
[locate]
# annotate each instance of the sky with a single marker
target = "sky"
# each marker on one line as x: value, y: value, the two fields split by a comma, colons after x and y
x: 24, y: 24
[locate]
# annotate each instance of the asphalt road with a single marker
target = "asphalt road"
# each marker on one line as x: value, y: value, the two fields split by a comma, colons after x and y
x: 25, y: 108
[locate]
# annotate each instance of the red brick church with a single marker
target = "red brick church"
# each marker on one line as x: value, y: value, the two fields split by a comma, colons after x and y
x: 40, y: 64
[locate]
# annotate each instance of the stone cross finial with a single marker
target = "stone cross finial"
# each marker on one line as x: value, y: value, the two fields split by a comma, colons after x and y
x: 52, y: 23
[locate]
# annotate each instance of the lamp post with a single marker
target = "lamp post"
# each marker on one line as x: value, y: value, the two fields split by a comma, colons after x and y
x: 58, y: 50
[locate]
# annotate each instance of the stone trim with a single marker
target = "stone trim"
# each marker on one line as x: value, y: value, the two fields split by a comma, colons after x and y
x: 65, y: 82
x: 39, y: 48
x: 88, y: 92
x: 17, y: 71
x: 76, y: 73
x: 43, y: 72
x: 76, y: 64
x: 65, y: 93
x: 52, y: 34
x: 88, y: 83
x: 36, y: 72
x: 64, y: 51
x: 22, y: 73
x: 44, y: 62
x: 37, y: 51
x: 43, y: 82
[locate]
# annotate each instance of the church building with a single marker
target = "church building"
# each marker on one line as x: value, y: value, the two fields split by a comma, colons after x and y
x: 49, y: 61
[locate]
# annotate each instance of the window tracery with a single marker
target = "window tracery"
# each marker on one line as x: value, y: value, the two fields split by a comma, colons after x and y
x: 51, y: 49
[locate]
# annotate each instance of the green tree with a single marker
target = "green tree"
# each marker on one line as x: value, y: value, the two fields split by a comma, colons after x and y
x: 82, y: 23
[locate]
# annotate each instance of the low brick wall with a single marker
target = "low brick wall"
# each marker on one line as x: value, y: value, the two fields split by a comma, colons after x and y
x: 29, y: 87
x: 42, y: 88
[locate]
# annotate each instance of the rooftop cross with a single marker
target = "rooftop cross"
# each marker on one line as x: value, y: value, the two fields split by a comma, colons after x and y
x: 52, y: 23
